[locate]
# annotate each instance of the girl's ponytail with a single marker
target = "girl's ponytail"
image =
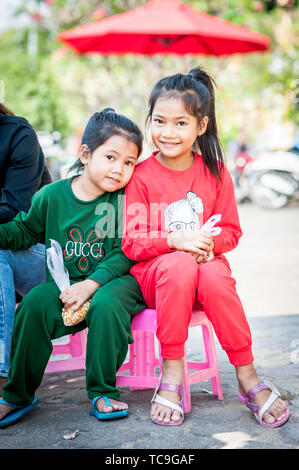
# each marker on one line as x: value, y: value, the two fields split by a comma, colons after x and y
x: 209, y: 143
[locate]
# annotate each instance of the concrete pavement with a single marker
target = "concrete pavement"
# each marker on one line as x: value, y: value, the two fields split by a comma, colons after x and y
x: 266, y: 267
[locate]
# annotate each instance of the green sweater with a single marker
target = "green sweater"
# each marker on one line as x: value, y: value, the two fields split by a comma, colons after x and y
x: 89, y: 232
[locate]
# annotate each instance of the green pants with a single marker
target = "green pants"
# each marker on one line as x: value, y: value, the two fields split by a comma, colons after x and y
x: 38, y: 320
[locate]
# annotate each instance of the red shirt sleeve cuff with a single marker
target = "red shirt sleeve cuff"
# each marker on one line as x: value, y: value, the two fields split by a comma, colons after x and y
x: 218, y: 244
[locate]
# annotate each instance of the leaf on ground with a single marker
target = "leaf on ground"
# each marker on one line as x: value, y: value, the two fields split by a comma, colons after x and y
x: 73, y: 435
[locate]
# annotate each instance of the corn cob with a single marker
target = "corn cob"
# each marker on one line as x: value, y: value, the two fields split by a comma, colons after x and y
x: 71, y: 318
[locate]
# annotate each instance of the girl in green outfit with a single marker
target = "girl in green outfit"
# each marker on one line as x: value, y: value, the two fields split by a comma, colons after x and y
x: 84, y: 215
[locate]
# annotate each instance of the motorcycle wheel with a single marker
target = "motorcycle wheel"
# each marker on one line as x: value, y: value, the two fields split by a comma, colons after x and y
x: 266, y: 197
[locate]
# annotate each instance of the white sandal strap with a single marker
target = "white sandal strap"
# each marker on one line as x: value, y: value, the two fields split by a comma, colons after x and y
x: 272, y: 387
x: 274, y: 395
x: 168, y: 403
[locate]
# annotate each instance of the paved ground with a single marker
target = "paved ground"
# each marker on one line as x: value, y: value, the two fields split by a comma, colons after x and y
x: 266, y: 265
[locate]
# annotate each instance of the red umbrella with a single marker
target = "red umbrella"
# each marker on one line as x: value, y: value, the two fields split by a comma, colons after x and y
x: 163, y: 27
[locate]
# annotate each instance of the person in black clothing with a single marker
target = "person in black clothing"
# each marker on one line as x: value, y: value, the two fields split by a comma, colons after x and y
x: 22, y: 173
x: 22, y: 168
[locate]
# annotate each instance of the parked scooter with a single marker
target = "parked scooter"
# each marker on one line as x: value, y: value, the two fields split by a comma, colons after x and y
x: 272, y: 179
x: 242, y: 159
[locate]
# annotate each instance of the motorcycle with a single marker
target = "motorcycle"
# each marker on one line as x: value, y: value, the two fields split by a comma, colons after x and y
x: 237, y: 170
x: 272, y: 179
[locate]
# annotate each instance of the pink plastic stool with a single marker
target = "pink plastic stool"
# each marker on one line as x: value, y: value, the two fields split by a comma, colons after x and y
x: 76, y: 348
x: 142, y: 361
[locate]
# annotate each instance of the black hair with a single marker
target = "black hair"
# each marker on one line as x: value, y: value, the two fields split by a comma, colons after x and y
x: 196, y: 89
x: 103, y: 125
x: 4, y: 110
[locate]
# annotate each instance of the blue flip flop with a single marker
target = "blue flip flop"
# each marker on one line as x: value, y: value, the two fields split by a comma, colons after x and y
x: 17, y: 413
x: 112, y: 415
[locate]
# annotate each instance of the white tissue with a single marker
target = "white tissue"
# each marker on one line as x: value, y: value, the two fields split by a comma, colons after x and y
x: 209, y: 225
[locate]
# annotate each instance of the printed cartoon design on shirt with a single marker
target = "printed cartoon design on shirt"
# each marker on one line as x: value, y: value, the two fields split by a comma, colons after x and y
x: 83, y: 247
x: 185, y: 214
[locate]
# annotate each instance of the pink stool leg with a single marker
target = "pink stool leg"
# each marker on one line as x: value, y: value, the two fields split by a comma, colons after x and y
x: 143, y: 360
x: 76, y: 348
x: 211, y: 357
x: 76, y: 344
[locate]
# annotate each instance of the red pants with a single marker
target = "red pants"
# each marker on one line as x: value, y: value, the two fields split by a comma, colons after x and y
x: 173, y: 283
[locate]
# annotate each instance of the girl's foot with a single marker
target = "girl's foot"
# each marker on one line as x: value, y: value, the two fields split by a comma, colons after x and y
x: 172, y: 374
x: 3, y: 381
x: 4, y: 409
x: 115, y: 405
x: 247, y: 379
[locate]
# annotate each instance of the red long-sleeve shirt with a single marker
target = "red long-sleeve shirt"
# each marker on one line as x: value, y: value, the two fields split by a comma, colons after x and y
x: 150, y: 215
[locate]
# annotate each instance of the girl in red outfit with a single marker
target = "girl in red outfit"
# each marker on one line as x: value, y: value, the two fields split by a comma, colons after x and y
x: 171, y: 195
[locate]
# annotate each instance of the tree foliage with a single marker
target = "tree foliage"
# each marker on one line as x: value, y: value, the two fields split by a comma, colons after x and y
x: 58, y: 90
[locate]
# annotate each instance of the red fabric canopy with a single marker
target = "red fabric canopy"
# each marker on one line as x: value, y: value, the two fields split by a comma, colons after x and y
x: 163, y: 27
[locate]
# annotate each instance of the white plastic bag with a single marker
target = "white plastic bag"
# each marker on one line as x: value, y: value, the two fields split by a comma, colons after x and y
x: 56, y: 266
x: 61, y: 277
x: 209, y: 227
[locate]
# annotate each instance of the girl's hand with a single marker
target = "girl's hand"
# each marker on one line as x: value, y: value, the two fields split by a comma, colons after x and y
x: 196, y: 241
x: 75, y: 295
x: 201, y: 258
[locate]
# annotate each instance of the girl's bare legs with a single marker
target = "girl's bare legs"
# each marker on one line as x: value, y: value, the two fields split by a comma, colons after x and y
x: 173, y: 374
x: 247, y: 378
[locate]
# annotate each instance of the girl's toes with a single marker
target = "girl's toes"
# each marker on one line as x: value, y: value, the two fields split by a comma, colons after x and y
x: 118, y: 405
x: 154, y: 412
x: 161, y: 415
x: 176, y: 416
x: 167, y: 416
x: 281, y: 412
x: 107, y: 409
x: 268, y: 418
x: 281, y: 417
x: 102, y: 407
x: 278, y: 410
